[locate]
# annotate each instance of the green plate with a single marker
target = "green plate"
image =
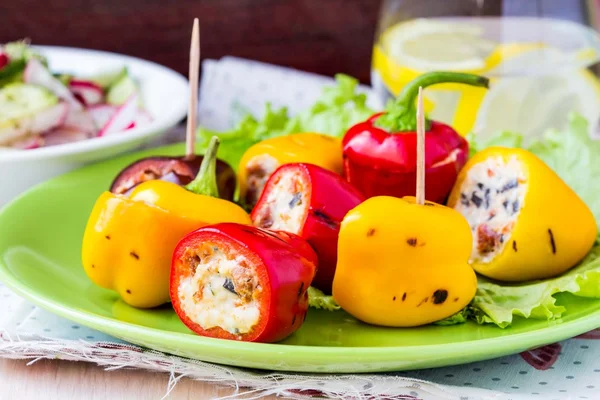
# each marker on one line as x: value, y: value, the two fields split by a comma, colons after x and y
x: 40, y: 239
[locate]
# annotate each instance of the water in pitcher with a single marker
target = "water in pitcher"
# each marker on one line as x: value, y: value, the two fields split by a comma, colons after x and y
x: 539, y: 70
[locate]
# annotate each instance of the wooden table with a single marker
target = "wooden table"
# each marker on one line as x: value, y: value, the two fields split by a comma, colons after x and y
x: 63, y: 380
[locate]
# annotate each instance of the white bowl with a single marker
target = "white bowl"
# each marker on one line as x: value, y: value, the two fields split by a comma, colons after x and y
x: 165, y: 96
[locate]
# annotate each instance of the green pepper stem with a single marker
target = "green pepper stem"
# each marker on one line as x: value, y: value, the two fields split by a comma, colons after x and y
x: 400, y: 115
x: 205, y: 182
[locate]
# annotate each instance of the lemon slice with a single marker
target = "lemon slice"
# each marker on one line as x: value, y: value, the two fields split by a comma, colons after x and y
x: 427, y: 45
x: 534, y: 86
x: 533, y: 104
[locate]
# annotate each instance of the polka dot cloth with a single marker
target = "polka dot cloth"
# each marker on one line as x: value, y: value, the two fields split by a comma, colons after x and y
x: 566, y: 370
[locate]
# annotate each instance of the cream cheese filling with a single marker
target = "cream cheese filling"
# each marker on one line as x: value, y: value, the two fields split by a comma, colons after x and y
x: 491, y: 198
x: 221, y: 293
x: 284, y: 207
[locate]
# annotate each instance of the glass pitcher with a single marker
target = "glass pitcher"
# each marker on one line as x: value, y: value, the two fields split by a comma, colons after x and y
x: 540, y: 57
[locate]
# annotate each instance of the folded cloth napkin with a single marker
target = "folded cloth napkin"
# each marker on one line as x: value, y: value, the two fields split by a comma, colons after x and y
x: 566, y: 370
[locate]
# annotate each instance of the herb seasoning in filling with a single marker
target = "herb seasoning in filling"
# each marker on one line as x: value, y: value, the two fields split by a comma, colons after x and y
x: 284, y: 206
x: 491, y: 197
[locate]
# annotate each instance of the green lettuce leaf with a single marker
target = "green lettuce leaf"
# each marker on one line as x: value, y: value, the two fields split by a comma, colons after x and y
x: 247, y: 132
x: 318, y: 299
x: 459, y: 318
x: 573, y: 155
x: 338, y: 108
x: 499, y: 303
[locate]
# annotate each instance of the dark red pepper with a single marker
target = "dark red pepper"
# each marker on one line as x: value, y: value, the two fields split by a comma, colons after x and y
x: 380, y: 154
x: 322, y: 197
x: 283, y: 263
x: 179, y: 170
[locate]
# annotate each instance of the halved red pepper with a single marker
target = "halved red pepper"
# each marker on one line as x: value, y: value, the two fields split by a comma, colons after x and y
x: 380, y: 154
x: 311, y: 202
x: 239, y: 282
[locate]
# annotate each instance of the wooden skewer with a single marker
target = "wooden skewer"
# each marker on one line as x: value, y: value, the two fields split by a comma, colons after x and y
x: 420, y: 149
x: 190, y: 135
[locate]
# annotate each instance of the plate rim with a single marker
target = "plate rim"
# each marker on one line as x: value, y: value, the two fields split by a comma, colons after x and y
x: 550, y: 334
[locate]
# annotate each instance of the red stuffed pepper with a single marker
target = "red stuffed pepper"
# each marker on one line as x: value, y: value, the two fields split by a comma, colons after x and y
x: 311, y: 202
x: 240, y: 282
x: 380, y: 154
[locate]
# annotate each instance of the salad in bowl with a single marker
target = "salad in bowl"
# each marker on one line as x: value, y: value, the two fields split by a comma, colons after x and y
x: 62, y: 108
x: 40, y: 107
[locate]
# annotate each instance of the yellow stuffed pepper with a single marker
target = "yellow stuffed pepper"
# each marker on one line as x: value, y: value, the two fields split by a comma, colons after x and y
x: 128, y: 242
x: 403, y: 264
x: 526, y: 222
x: 262, y: 159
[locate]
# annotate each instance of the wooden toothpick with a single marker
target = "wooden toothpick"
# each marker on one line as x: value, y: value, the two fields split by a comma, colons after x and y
x: 420, y: 149
x: 190, y: 135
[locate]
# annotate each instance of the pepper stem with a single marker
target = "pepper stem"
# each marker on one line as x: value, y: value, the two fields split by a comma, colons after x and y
x: 400, y: 115
x: 205, y: 182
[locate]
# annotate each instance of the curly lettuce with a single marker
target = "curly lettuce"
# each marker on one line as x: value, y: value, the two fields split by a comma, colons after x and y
x: 337, y: 109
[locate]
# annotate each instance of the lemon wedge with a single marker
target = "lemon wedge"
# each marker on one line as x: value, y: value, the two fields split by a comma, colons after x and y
x: 533, y: 104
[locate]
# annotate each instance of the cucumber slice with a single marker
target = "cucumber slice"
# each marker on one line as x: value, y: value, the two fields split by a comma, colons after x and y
x: 18, y: 100
x: 108, y: 79
x: 26, y: 110
x: 121, y: 90
x: 20, y: 50
x: 64, y: 78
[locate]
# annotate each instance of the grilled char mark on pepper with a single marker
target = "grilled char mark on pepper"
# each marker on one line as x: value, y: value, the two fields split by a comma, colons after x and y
x: 221, y: 290
x: 491, y: 198
x: 259, y: 169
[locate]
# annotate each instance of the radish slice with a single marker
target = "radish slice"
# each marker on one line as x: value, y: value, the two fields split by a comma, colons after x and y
x: 4, y: 60
x: 35, y: 73
x: 142, y: 118
x: 32, y: 142
x: 41, y: 121
x: 123, y: 118
x: 64, y: 135
x: 102, y: 113
x: 88, y: 92
x: 81, y: 120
